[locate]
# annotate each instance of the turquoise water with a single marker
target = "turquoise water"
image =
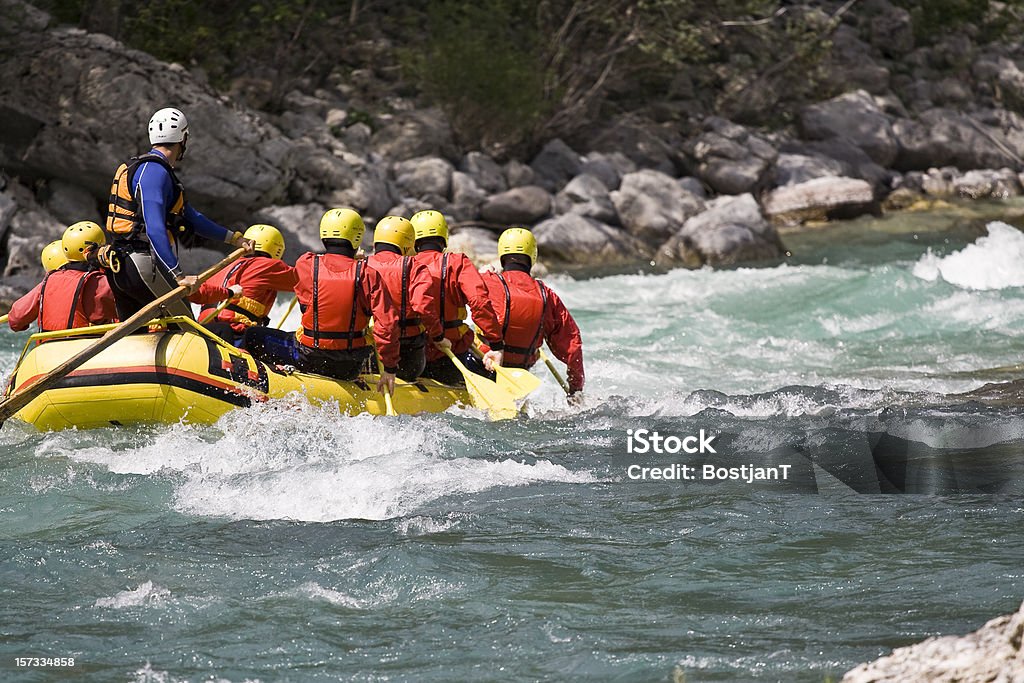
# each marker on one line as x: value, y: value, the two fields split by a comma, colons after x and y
x: 287, y: 544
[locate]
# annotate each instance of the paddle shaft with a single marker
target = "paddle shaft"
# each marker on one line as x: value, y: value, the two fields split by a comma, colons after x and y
x: 555, y: 372
x: 215, y: 312
x: 288, y: 312
x: 3, y: 318
x: 21, y: 399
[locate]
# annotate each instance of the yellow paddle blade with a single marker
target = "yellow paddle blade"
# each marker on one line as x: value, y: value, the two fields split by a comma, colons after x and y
x: 518, y: 382
x: 484, y: 393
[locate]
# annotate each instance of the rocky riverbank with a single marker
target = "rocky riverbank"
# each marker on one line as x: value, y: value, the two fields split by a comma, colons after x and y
x: 992, y: 653
x: 911, y: 124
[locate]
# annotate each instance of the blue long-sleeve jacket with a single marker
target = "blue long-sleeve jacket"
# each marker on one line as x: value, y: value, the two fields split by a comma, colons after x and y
x: 153, y: 188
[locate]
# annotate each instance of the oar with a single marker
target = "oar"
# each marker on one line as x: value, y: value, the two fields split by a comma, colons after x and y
x: 3, y: 318
x: 485, y: 393
x: 287, y: 312
x: 518, y: 382
x: 555, y: 372
x: 215, y: 312
x: 389, y: 405
x: 17, y: 401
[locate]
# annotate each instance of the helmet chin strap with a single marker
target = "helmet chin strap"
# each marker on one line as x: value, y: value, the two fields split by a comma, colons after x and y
x: 184, y: 142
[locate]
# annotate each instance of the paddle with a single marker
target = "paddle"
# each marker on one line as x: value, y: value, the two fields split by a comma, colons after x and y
x: 3, y: 318
x: 288, y: 312
x: 555, y: 372
x: 389, y: 405
x: 484, y: 393
x: 17, y: 401
x: 518, y: 382
x: 215, y: 312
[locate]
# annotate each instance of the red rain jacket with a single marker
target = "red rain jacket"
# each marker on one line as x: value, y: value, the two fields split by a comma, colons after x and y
x: 66, y: 298
x: 261, y: 278
x: 410, y: 286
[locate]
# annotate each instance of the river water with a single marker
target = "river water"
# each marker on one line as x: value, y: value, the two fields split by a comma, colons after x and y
x: 288, y: 544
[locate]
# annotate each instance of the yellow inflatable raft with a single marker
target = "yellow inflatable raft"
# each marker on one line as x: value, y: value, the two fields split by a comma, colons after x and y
x: 190, y: 375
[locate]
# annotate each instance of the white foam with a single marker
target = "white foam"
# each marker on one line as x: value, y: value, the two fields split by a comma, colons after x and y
x: 147, y: 593
x: 995, y: 261
x: 292, y: 460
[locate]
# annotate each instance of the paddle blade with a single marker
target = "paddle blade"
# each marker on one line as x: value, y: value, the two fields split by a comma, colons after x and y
x: 488, y: 396
x: 518, y: 382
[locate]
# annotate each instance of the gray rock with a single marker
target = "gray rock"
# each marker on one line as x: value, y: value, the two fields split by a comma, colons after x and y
x: 890, y: 30
x: 485, y: 172
x: 729, y: 159
x: 731, y: 230
x: 819, y: 199
x: 555, y: 164
x: 587, y: 196
x: 519, y: 174
x: 988, y: 184
x: 424, y: 176
x: 418, y: 133
x: 992, y: 653
x: 854, y: 161
x: 357, y: 137
x: 25, y: 228
x: 318, y: 173
x: 694, y: 186
x: 646, y: 143
x: 300, y: 225
x: 652, y: 205
x: 467, y: 197
x: 944, y: 137
x: 855, y: 117
x: 608, y: 168
x: 792, y: 169
x: 574, y: 240
x: 70, y: 203
x: 520, y: 205
x: 480, y: 245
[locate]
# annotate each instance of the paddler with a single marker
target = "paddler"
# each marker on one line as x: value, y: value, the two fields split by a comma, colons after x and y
x: 260, y: 275
x: 73, y: 293
x: 410, y: 286
x: 529, y: 312
x: 456, y: 285
x: 337, y: 295
x: 149, y: 216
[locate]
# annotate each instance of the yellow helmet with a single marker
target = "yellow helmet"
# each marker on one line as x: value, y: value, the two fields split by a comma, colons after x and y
x: 430, y: 224
x: 518, y: 241
x: 268, y: 239
x: 397, y: 231
x: 53, y: 256
x: 342, y: 224
x: 80, y: 237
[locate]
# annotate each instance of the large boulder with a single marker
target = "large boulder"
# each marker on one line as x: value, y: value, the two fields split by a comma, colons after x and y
x: 484, y: 171
x: 988, y: 184
x: 74, y: 104
x: 992, y: 653
x: 944, y: 137
x: 731, y: 230
x: 652, y: 205
x: 300, y: 225
x: 793, y: 169
x: 555, y: 164
x: 424, y: 176
x: 467, y: 197
x: 820, y: 199
x: 418, y: 133
x: 521, y: 205
x: 855, y: 117
x: 608, y: 168
x: 855, y: 163
x: 25, y: 228
x: 71, y: 203
x: 587, y: 196
x: 519, y: 174
x: 730, y: 159
x: 646, y: 143
x: 574, y: 240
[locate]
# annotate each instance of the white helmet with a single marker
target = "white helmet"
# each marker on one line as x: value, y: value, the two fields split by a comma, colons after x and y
x: 168, y: 125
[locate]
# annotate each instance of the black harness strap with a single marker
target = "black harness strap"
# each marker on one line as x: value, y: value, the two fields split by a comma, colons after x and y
x: 316, y: 301
x: 355, y: 303
x: 74, y: 300
x: 42, y: 298
x: 535, y: 342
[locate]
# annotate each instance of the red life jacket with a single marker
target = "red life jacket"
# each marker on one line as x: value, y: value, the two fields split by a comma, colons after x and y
x: 60, y: 301
x: 395, y: 276
x: 333, y: 319
x: 522, y: 320
x: 245, y: 310
x: 453, y: 316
